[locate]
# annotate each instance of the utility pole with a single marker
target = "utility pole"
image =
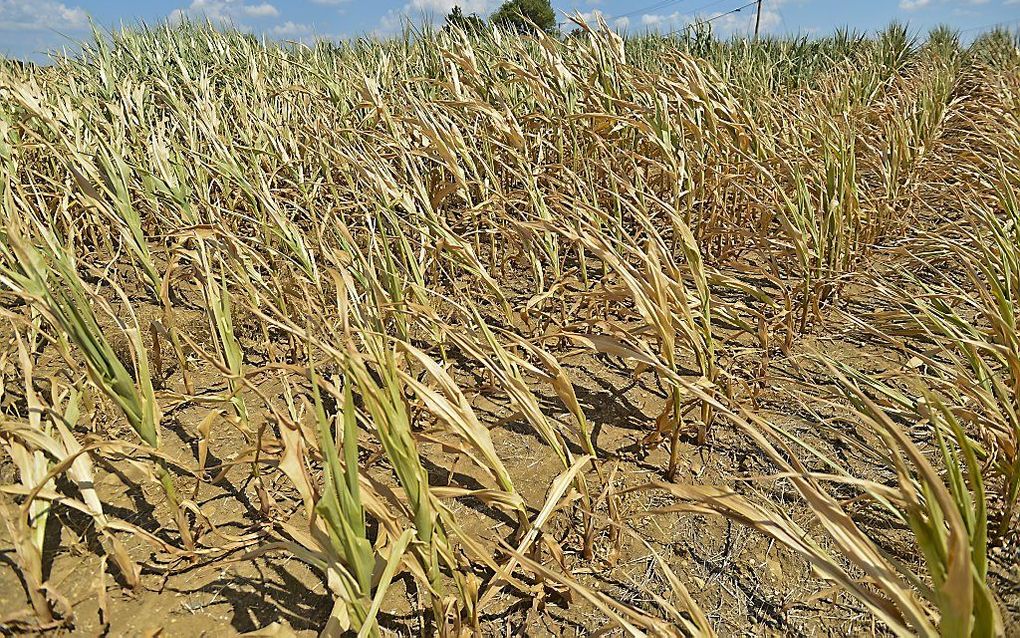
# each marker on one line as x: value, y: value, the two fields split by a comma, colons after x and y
x: 757, y: 21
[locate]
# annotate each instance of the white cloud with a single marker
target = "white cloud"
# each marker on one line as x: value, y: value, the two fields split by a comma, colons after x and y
x: 913, y: 5
x: 742, y: 22
x: 723, y: 23
x: 592, y: 17
x: 657, y: 19
x: 443, y: 7
x: 226, y: 11
x: 291, y: 30
x: 392, y: 21
x: 263, y: 10
x: 235, y: 13
x: 40, y: 15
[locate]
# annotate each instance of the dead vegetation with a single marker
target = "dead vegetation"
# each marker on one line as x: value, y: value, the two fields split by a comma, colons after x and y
x: 490, y: 334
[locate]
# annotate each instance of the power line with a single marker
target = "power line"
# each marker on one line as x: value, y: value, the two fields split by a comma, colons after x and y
x: 737, y: 10
x: 721, y: 15
x: 707, y: 6
x: 661, y: 5
x: 652, y: 7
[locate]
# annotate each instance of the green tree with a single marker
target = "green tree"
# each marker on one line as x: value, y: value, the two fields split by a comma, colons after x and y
x: 469, y: 23
x: 520, y: 14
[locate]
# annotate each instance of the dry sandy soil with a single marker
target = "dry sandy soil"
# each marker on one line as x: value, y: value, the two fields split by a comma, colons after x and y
x: 744, y: 583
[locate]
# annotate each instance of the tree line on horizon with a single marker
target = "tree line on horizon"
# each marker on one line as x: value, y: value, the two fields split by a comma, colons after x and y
x: 522, y: 16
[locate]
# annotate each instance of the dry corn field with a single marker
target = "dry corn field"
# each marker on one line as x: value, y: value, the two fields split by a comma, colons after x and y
x: 489, y: 334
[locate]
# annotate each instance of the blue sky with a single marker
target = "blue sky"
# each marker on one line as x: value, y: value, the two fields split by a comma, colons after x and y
x: 30, y: 27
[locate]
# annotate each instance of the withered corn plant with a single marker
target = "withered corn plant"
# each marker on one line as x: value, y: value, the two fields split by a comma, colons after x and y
x: 418, y: 312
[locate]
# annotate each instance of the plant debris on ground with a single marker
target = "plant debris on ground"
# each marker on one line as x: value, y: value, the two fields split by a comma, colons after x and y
x: 494, y: 333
